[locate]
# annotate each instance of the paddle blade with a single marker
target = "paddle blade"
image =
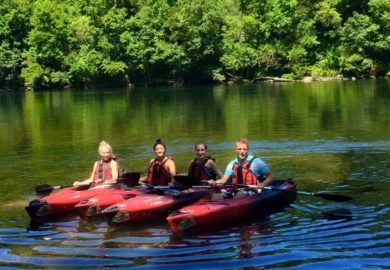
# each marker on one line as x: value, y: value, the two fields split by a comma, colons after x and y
x: 338, y: 213
x: 333, y: 197
x: 43, y: 189
x: 186, y: 180
x: 129, y: 179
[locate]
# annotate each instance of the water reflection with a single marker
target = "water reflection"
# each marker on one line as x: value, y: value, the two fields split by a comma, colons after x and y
x: 287, y: 240
x: 330, y: 136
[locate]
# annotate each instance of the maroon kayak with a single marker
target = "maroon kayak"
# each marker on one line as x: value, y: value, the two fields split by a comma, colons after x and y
x: 146, y: 207
x: 93, y: 206
x: 62, y: 202
x: 207, y: 212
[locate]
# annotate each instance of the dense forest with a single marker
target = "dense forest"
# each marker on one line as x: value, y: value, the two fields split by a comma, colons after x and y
x: 47, y: 44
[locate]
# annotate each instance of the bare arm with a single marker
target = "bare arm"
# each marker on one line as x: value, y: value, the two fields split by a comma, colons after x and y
x: 172, y: 170
x: 114, y: 169
x: 89, y: 180
x: 214, y: 167
x: 219, y: 182
x: 171, y: 167
x: 269, y: 178
x: 144, y: 178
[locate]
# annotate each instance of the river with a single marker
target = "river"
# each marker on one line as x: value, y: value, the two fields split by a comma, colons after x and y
x: 328, y: 136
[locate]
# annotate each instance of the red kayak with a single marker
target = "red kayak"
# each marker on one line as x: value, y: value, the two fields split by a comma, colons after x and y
x: 145, y: 207
x: 93, y: 207
x: 62, y: 202
x: 207, y: 212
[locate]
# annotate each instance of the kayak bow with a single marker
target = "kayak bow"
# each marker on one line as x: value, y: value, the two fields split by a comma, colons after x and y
x: 146, y: 207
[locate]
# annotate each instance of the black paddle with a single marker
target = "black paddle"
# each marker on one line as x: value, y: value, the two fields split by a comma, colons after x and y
x: 46, y: 189
x: 323, y: 195
x: 186, y: 180
x: 129, y: 179
x: 182, y: 182
x: 334, y: 214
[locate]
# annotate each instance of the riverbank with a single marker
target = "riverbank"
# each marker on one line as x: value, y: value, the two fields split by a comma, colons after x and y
x: 312, y: 79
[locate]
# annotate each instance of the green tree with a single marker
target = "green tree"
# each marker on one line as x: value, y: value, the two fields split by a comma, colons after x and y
x: 145, y: 44
x: 49, y: 44
x: 196, y: 28
x: 361, y: 41
x: 52, y: 43
x: 14, y: 25
x: 269, y: 37
x: 98, y: 54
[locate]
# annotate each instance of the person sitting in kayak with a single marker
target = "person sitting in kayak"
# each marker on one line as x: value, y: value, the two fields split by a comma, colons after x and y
x: 203, y: 167
x: 161, y: 168
x: 245, y: 169
x: 105, y: 170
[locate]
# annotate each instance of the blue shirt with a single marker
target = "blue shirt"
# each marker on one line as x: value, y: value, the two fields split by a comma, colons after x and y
x: 258, y: 166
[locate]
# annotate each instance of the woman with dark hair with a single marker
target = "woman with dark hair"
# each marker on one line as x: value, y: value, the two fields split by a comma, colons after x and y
x: 203, y: 167
x: 162, y: 168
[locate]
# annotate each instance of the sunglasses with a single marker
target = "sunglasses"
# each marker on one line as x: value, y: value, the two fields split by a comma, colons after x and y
x: 200, y: 150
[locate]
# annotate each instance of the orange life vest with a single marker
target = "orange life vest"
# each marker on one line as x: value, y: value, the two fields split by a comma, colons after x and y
x: 158, y: 174
x: 103, y: 170
x: 199, y: 170
x: 242, y: 173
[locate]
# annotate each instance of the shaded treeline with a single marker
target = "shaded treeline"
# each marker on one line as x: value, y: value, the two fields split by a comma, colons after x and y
x: 72, y: 43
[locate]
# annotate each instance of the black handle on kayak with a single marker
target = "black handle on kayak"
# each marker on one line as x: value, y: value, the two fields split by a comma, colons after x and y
x: 186, y: 180
x: 323, y: 195
x: 130, y: 179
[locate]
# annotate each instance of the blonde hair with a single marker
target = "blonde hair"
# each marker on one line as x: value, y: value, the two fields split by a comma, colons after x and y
x: 244, y: 141
x: 104, y: 144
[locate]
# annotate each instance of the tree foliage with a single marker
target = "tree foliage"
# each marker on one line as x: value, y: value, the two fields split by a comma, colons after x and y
x: 72, y: 43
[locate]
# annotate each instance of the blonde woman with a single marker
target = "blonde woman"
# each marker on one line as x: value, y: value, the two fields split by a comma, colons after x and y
x: 105, y: 170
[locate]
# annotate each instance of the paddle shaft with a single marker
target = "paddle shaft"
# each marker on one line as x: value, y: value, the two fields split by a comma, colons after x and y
x: 166, y: 187
x: 133, y: 176
x: 326, y: 196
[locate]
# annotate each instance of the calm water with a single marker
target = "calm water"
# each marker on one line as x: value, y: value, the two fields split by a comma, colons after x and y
x: 329, y: 136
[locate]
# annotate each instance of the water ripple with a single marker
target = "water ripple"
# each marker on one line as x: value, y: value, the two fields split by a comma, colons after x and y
x: 299, y: 238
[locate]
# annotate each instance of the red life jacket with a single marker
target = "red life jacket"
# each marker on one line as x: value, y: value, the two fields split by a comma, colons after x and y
x: 242, y: 173
x: 158, y: 174
x: 199, y: 170
x: 103, y: 170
